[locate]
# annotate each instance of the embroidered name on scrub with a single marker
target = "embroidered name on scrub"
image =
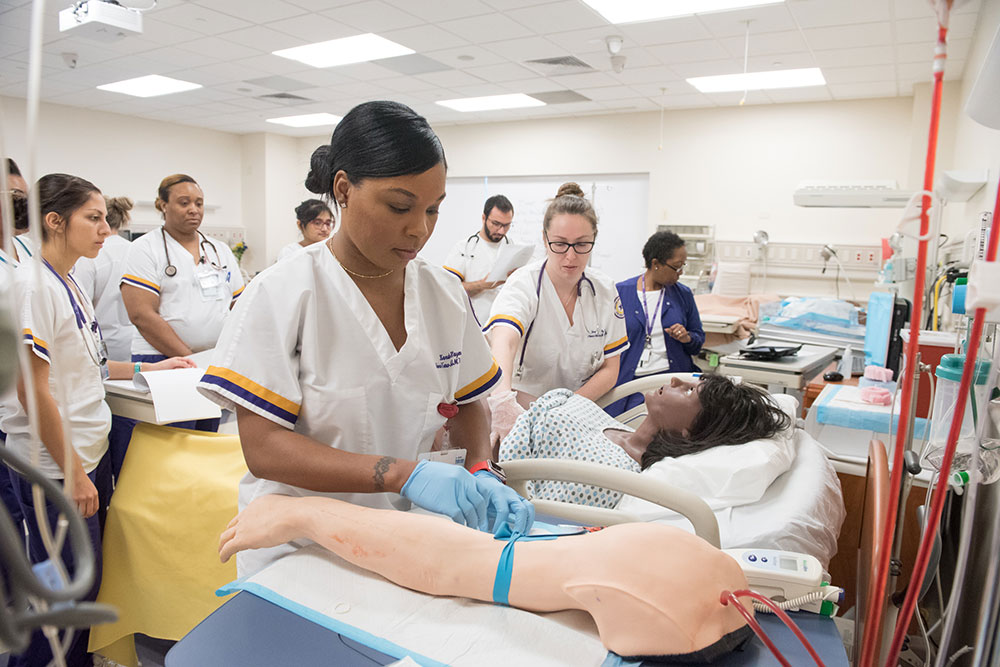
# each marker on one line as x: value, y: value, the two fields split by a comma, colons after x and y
x: 453, y: 358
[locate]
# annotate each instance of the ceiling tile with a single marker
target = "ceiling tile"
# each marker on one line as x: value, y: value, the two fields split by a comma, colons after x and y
x: 922, y: 30
x: 769, y: 18
x: 824, y: 13
x: 846, y: 91
x: 656, y: 74
x: 579, y: 81
x: 557, y: 17
x: 270, y: 64
x: 753, y: 98
x: 810, y: 94
x: 610, y: 93
x: 374, y: 16
x: 478, y: 90
x: 634, y: 57
x: 505, y: 72
x: 192, y: 16
x: 451, y: 78
x: 415, y: 63
x: 843, y: 75
x: 707, y: 68
x: 363, y: 71
x: 656, y: 91
x: 870, y: 55
x: 219, y: 49
x: 176, y: 58
x: 437, y: 11
x: 261, y: 12
x: 504, y: 5
x: 687, y: 101
x: 310, y: 28
x: 846, y: 37
x: 426, y: 38
x: 526, y: 48
x: 264, y: 40
x: 665, y: 32
x: 688, y: 52
x: 765, y: 43
x: 487, y: 29
x: 465, y: 57
x: 406, y: 84
x: 536, y: 85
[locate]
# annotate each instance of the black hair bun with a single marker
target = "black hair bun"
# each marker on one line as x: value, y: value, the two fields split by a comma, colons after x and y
x: 320, y: 180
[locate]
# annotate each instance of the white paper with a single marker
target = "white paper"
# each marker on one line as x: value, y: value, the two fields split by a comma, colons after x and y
x: 511, y: 256
x: 174, y: 395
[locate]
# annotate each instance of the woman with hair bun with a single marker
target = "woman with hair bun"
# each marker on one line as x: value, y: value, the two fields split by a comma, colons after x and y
x: 315, y: 221
x: 343, y: 364
x: 100, y: 277
x: 556, y: 323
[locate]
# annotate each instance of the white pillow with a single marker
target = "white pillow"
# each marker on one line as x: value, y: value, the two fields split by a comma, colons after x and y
x: 728, y: 475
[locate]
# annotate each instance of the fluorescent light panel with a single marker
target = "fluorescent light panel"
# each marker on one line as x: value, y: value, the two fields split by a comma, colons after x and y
x: 149, y: 86
x: 492, y: 102
x: 787, y: 78
x: 344, y: 51
x: 633, y: 11
x: 306, y: 120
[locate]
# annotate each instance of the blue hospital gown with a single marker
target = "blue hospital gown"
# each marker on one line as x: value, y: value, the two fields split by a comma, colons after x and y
x: 563, y: 425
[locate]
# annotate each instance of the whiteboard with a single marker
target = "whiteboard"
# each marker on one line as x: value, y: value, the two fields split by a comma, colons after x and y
x: 621, y: 201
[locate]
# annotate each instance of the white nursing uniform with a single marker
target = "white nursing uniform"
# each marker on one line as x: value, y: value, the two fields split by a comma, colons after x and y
x: 195, y: 301
x: 100, y: 280
x: 304, y: 349
x: 289, y: 250
x: 23, y: 248
x: 49, y: 326
x: 472, y: 259
x: 559, y: 354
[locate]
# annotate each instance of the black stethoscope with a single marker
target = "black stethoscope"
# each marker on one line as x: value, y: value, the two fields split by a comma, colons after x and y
x: 538, y: 302
x: 171, y: 270
x: 477, y: 238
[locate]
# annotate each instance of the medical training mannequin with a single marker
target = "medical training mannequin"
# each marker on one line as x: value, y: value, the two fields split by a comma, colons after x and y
x: 556, y: 323
x: 178, y: 284
x: 664, y: 328
x: 343, y: 363
x: 682, y: 418
x: 315, y: 221
x: 667, y: 604
x: 68, y: 360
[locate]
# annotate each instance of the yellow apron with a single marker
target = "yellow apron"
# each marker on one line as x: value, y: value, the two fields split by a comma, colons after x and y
x: 176, y: 494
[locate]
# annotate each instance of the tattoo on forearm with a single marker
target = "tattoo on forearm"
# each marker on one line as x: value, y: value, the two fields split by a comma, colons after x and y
x: 382, y: 467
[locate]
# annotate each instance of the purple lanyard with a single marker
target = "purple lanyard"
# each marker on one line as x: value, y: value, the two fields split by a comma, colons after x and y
x: 645, y: 311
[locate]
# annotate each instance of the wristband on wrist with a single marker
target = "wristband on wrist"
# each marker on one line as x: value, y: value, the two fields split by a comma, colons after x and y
x: 137, y: 368
x: 492, y: 468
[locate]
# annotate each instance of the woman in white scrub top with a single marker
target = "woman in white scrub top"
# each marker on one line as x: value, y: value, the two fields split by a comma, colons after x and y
x: 555, y: 323
x: 342, y: 364
x: 99, y: 278
x: 58, y: 324
x: 315, y: 220
x: 178, y: 284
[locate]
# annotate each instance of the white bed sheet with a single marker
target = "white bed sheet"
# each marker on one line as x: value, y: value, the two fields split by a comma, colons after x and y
x: 801, y: 511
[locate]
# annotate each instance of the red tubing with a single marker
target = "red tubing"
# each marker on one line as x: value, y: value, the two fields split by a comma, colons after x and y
x: 786, y: 619
x: 941, y: 490
x: 872, y: 638
x: 728, y: 597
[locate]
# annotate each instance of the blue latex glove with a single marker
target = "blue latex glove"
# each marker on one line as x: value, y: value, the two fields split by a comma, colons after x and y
x: 447, y: 489
x: 504, y: 504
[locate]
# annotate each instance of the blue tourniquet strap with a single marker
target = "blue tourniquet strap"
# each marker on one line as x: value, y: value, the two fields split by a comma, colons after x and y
x: 501, y: 584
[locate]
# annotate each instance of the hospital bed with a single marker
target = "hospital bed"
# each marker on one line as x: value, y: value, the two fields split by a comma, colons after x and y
x: 801, y: 511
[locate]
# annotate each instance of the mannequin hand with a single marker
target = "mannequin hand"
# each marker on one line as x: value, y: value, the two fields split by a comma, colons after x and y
x: 266, y: 522
x: 679, y: 333
x: 447, y: 489
x: 505, y: 504
x: 504, y: 411
x: 172, y: 362
x: 479, y: 286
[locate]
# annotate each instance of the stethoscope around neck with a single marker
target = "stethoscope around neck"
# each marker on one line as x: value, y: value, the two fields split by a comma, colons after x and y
x: 538, y: 304
x: 171, y: 270
x: 476, y: 238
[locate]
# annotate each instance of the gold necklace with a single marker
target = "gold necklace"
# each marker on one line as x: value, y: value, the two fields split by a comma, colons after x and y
x: 329, y: 244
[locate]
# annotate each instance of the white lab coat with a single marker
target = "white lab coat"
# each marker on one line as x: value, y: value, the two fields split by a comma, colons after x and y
x: 472, y: 259
x: 304, y: 349
x: 100, y: 279
x: 49, y: 326
x: 196, y: 315
x: 559, y: 355
x: 289, y: 250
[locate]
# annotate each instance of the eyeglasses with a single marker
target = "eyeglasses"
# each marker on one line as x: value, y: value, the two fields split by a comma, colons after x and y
x: 562, y: 247
x: 497, y: 225
x: 328, y: 224
x: 677, y: 269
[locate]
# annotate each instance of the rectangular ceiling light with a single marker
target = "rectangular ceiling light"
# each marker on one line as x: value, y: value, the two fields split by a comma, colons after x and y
x: 149, y: 86
x: 344, y: 51
x: 787, y: 78
x: 492, y: 102
x: 633, y: 11
x: 306, y: 120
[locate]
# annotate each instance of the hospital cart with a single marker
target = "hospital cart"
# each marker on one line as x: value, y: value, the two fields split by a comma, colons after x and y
x: 789, y: 375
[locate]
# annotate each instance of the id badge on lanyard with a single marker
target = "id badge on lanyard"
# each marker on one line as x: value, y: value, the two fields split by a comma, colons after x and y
x: 210, y: 282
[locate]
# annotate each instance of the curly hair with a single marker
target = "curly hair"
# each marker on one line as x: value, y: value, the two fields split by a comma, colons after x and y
x: 661, y: 246
x: 731, y: 414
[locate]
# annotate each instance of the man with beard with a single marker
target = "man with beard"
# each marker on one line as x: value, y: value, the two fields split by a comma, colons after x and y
x: 473, y: 258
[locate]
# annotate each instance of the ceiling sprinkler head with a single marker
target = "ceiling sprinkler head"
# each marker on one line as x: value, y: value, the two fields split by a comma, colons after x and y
x: 614, y: 43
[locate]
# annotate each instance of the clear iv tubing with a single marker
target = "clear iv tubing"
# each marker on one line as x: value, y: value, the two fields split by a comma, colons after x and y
x: 937, y: 501
x: 871, y: 640
x: 968, y: 518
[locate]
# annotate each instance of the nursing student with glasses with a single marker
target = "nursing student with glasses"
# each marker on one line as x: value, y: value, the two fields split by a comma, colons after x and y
x: 473, y: 258
x: 315, y: 221
x: 664, y: 328
x: 60, y: 327
x: 557, y: 323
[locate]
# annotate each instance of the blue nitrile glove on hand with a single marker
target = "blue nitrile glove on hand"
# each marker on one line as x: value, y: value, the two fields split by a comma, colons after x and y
x: 504, y: 504
x: 476, y: 501
x: 447, y: 489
